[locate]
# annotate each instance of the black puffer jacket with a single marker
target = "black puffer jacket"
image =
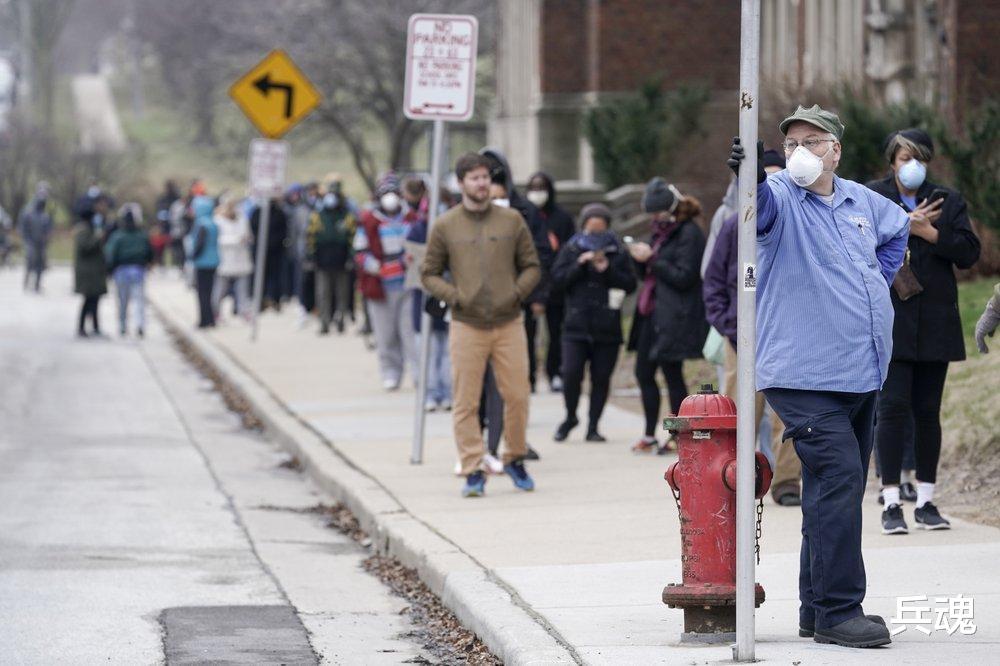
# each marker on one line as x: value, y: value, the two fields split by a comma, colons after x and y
x: 927, y: 327
x: 678, y: 317
x: 588, y: 316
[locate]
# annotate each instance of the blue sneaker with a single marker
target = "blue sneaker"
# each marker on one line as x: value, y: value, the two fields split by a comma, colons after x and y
x: 475, y: 485
x: 519, y: 475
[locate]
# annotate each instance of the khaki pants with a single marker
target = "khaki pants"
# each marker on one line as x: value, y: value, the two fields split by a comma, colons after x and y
x: 506, y: 349
x: 788, y: 468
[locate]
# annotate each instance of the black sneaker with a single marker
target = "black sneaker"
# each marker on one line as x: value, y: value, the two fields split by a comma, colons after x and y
x: 892, y: 520
x: 907, y: 492
x: 562, y: 432
x: 594, y: 436
x: 532, y: 454
x: 927, y: 518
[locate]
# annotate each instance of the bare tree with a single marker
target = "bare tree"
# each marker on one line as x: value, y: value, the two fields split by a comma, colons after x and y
x: 40, y: 24
x: 356, y: 54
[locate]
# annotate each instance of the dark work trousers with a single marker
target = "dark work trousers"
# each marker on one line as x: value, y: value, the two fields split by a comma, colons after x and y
x: 88, y: 309
x: 576, y: 357
x: 554, y: 313
x: 491, y: 411
x: 909, y: 410
x: 531, y: 328
x: 833, y: 435
x: 204, y: 281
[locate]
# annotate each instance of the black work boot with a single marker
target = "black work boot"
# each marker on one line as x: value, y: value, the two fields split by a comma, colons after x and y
x: 858, y: 632
x: 806, y: 631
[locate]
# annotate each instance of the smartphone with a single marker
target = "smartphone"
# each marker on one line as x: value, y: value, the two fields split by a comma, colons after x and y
x: 938, y: 193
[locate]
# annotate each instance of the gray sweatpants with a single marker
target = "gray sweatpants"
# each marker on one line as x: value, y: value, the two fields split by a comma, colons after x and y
x: 392, y: 321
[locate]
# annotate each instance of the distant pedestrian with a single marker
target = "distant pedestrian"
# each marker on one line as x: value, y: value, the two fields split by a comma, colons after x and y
x: 328, y: 242
x: 827, y: 251
x: 379, y: 255
x: 274, y: 252
x: 439, y: 360
x: 669, y: 324
x: 926, y: 329
x: 204, y: 256
x: 590, y: 268
x: 559, y: 228
x: 89, y: 271
x: 298, y: 210
x: 160, y: 236
x: 128, y: 254
x: 988, y: 321
x: 493, y: 265
x: 235, y: 262
x: 35, y: 226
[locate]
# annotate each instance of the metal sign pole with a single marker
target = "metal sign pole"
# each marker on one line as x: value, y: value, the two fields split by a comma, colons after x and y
x: 258, y: 277
x: 417, y: 450
x: 746, y: 435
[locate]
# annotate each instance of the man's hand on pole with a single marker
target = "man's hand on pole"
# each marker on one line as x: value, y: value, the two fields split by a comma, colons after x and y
x: 737, y: 154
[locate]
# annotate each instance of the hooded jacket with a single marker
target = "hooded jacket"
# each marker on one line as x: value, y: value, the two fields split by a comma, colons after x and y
x: 536, y: 225
x: 128, y: 245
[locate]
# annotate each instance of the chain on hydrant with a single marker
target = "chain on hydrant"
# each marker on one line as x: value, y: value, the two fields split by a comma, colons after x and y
x: 703, y: 484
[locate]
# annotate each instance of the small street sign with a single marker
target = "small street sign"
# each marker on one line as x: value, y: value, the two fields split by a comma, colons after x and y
x: 440, y: 67
x: 268, y: 161
x: 275, y: 94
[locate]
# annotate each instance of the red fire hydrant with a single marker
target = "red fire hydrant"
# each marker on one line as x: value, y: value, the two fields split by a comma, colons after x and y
x: 703, y: 482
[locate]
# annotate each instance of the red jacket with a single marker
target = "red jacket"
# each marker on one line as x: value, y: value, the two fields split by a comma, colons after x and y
x: 370, y: 285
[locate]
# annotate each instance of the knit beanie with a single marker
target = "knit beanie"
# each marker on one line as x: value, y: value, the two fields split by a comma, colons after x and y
x: 595, y: 210
x: 660, y: 196
x: 387, y: 182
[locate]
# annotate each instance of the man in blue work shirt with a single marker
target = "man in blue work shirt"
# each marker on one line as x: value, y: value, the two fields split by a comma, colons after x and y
x: 827, y: 251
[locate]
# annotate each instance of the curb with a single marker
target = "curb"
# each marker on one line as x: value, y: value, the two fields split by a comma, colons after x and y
x: 481, y: 602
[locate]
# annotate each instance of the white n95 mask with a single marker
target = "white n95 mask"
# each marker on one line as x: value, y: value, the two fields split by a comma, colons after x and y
x: 804, y: 166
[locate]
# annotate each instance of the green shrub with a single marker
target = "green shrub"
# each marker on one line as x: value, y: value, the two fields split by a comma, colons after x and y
x: 637, y: 137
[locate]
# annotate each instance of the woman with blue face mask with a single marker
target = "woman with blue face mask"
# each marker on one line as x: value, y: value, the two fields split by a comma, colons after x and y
x: 927, y: 329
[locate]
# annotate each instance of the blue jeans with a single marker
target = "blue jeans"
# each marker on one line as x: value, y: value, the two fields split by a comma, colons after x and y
x: 833, y: 435
x: 130, y: 283
x: 438, y: 368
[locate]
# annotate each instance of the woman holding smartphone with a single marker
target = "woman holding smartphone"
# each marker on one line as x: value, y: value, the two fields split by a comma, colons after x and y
x: 594, y: 273
x: 927, y: 330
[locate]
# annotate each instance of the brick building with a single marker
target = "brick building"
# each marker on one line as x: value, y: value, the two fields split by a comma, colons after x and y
x: 556, y: 58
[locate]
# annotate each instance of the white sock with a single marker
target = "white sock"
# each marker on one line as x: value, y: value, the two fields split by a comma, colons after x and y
x: 905, y: 476
x: 891, y: 495
x: 925, y: 493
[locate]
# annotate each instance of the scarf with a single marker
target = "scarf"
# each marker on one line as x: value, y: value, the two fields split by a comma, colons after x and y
x: 662, y: 231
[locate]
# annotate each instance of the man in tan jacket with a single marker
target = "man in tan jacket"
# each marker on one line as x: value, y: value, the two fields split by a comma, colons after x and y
x: 493, y: 266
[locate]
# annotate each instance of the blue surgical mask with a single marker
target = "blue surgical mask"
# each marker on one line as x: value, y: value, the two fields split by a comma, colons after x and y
x: 912, y: 174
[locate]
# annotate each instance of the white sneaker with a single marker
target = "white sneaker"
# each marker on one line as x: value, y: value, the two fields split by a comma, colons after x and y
x: 430, y: 406
x: 491, y: 465
x: 445, y: 406
x: 458, y: 468
x: 390, y: 384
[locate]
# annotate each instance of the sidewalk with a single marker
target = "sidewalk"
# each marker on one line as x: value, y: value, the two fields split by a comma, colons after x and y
x: 586, y: 555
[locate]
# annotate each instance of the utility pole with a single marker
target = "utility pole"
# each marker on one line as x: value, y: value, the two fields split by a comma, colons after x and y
x: 746, y: 331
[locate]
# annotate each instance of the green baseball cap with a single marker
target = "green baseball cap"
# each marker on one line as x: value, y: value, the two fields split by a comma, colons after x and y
x: 825, y: 120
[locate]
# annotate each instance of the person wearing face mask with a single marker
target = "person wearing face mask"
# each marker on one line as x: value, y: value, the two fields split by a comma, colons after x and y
x: 128, y: 254
x: 379, y: 255
x: 827, y: 251
x: 328, y: 251
x: 559, y: 228
x: 720, y: 292
x: 927, y: 329
x: 89, y: 272
x: 669, y: 324
x: 35, y: 226
x: 590, y: 267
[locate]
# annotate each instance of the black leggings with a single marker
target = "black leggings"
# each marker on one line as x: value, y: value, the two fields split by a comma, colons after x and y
x: 910, y: 401
x: 602, y: 358
x: 89, y: 309
x: 645, y: 373
x: 204, y: 281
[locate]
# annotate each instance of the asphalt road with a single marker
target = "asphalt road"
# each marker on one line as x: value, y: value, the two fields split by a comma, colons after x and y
x: 142, y: 524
